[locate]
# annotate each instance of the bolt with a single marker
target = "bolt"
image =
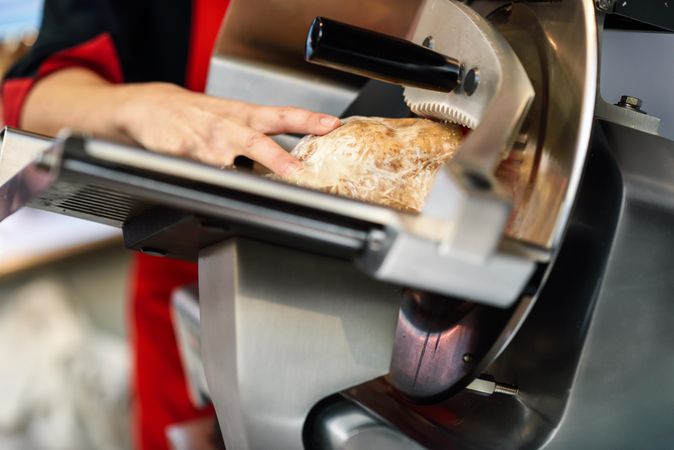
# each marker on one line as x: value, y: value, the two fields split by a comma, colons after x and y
x: 376, y: 240
x: 630, y: 102
x: 506, y: 389
x: 604, y: 5
x: 467, y: 358
x: 486, y: 385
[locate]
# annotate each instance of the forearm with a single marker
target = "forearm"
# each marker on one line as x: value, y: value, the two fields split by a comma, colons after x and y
x: 167, y: 118
x: 79, y: 99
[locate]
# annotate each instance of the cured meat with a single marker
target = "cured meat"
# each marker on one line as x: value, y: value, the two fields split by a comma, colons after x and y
x: 390, y: 162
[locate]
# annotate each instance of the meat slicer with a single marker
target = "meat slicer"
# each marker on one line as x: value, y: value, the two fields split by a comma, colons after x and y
x: 528, y: 305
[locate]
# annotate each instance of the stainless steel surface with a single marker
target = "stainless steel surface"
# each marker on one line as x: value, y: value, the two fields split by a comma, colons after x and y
x: 561, y: 62
x: 592, y: 361
x: 80, y: 192
x: 554, y: 149
x: 23, y: 177
x: 636, y: 62
x: 423, y: 264
x: 259, y: 57
x: 459, y: 31
x: 628, y: 101
x: 462, y: 226
x: 548, y: 165
x: 627, y: 111
x: 342, y: 425
x: 111, y: 183
x: 557, y: 44
x: 18, y: 149
x: 278, y: 35
x: 186, y: 321
x: 32, y: 175
x: 442, y: 344
x: 622, y: 393
x: 506, y: 389
x: 283, y: 329
x: 627, y: 117
x: 478, y: 208
x: 256, y: 82
x: 235, y: 180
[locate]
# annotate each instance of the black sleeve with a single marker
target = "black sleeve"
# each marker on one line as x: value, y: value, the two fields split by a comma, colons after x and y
x: 151, y: 36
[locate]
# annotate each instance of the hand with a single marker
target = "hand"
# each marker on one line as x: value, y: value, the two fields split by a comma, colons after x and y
x: 169, y: 119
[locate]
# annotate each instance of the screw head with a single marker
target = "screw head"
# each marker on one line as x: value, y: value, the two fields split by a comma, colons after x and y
x: 376, y: 240
x: 471, y: 81
x: 467, y: 358
x: 631, y: 102
x: 628, y: 100
x: 604, y: 5
x: 477, y: 181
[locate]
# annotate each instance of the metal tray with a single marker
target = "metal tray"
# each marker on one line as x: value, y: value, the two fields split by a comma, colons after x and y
x: 175, y: 207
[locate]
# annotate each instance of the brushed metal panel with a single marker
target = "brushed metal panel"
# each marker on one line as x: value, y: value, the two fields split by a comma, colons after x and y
x: 283, y: 329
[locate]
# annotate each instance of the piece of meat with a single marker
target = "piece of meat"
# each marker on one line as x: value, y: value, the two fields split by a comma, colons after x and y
x: 390, y: 162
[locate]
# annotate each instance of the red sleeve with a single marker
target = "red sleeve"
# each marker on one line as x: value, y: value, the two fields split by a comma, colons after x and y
x: 98, y: 55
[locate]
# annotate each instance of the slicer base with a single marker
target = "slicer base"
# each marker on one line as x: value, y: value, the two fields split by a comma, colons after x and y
x: 283, y: 329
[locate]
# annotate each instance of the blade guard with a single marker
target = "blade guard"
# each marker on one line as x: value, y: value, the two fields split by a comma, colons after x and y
x: 467, y: 192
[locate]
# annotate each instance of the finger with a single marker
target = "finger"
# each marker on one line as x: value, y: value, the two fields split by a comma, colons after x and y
x: 261, y: 148
x: 276, y: 120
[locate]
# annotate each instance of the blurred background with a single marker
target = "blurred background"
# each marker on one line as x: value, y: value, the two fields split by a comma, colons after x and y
x: 64, y: 359
x: 19, y: 22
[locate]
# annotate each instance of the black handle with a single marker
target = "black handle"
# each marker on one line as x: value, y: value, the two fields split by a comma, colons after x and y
x: 379, y: 56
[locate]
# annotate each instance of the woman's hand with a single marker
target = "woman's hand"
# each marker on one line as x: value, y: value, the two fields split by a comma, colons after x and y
x: 170, y: 119
x: 167, y: 118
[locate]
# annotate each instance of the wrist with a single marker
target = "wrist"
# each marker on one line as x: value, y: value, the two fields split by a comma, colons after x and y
x: 125, y: 110
x: 137, y: 106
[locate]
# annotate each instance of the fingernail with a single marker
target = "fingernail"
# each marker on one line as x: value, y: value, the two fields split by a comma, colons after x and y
x: 329, y: 121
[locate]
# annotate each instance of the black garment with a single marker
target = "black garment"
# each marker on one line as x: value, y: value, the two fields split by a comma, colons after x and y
x: 151, y: 36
